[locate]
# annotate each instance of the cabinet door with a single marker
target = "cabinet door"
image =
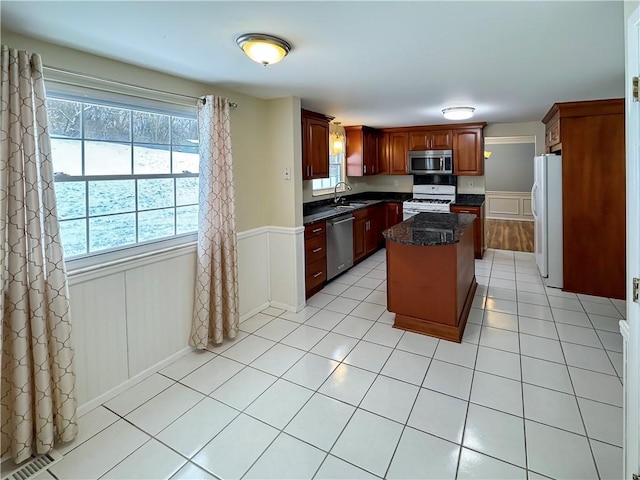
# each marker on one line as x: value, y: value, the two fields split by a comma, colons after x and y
x: 441, y: 140
x: 398, y: 149
x: 375, y: 226
x: 419, y: 140
x: 468, y: 152
x: 306, y: 169
x: 394, y: 214
x: 384, y: 155
x: 371, y: 151
x: 359, y: 233
x: 478, y: 226
x: 318, y: 159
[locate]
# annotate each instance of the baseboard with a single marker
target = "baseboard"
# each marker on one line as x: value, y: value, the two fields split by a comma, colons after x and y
x: 252, y: 312
x: 290, y: 308
x: 498, y: 217
x: 105, y: 397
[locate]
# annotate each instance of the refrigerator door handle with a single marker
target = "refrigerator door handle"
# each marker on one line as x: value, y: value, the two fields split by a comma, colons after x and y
x: 533, y: 200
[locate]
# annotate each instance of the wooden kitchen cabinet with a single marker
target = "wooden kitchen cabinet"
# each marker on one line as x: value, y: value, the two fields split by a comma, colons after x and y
x: 430, y: 140
x: 394, y: 147
x: 590, y: 136
x: 315, y: 250
x: 468, y: 151
x: 315, y: 145
x: 359, y: 233
x: 478, y: 226
x: 362, y: 151
x: 368, y: 225
x: 394, y: 214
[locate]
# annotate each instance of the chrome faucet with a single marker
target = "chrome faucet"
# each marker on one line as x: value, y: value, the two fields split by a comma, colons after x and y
x: 336, y: 198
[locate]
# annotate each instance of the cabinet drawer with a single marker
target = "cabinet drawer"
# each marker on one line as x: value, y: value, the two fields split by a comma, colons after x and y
x: 471, y: 210
x: 315, y: 230
x: 316, y: 274
x: 315, y: 249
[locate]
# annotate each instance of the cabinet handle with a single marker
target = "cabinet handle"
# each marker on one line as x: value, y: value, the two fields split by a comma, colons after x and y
x: 365, y: 169
x: 316, y: 230
x: 373, y: 169
x: 317, y: 250
x: 316, y: 275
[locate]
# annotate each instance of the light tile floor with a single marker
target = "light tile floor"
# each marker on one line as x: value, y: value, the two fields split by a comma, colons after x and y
x: 334, y: 392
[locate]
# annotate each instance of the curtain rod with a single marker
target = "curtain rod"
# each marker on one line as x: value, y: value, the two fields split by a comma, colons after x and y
x: 108, y: 80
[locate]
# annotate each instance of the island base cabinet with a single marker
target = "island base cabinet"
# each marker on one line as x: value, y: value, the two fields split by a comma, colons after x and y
x: 431, y: 288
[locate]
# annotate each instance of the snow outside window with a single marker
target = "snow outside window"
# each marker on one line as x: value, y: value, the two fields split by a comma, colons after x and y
x: 124, y: 176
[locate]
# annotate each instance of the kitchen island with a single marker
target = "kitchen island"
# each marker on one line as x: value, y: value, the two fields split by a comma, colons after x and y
x: 431, y: 273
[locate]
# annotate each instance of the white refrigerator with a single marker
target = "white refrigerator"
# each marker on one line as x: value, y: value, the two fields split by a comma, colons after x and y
x: 546, y: 205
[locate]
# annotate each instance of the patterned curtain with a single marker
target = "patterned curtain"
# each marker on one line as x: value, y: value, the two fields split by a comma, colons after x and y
x: 215, y: 309
x: 38, y: 397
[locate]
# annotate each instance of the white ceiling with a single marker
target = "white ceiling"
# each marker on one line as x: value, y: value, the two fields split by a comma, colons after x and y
x: 365, y: 62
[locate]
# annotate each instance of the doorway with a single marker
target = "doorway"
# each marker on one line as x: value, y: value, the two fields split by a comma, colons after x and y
x: 508, y: 183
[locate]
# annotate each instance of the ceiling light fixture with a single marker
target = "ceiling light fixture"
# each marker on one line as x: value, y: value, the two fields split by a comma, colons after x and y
x: 262, y: 48
x: 458, y: 113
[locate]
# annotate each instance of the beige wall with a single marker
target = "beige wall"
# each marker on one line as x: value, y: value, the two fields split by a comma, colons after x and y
x: 248, y: 121
x: 283, y: 198
x: 535, y: 129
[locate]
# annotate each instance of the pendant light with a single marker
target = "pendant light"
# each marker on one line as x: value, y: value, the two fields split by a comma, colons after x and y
x: 263, y: 48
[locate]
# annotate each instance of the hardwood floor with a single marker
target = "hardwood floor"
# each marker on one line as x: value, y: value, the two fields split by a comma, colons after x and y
x: 509, y: 235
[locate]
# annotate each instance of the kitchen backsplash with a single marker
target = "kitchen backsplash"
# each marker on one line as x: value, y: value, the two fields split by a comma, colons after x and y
x: 377, y: 183
x: 471, y: 185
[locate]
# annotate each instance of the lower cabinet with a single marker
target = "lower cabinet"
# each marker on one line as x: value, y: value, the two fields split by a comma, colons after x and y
x: 394, y: 214
x: 367, y: 231
x: 315, y: 257
x: 478, y: 226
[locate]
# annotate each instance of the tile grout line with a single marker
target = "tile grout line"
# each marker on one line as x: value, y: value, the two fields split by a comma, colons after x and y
x: 575, y: 395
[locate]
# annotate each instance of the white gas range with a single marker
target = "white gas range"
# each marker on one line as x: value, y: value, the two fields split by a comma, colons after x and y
x: 429, y: 198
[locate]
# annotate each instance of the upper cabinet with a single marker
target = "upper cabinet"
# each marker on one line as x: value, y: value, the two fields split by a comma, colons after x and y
x: 468, y: 151
x: 430, y: 140
x: 315, y: 145
x: 385, y: 151
x: 362, y: 151
x: 393, y: 153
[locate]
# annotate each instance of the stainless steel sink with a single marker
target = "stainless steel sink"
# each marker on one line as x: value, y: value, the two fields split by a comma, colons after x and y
x: 344, y: 208
x: 352, y: 205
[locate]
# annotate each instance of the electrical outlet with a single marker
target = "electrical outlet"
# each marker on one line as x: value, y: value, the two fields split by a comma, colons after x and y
x: 470, y: 183
x: 396, y: 183
x: 287, y: 173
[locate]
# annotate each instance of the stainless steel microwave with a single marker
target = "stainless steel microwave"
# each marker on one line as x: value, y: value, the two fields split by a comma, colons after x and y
x: 427, y: 162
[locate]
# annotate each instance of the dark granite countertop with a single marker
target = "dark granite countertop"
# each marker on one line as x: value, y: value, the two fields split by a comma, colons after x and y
x: 469, y: 200
x: 430, y: 229
x: 326, y: 208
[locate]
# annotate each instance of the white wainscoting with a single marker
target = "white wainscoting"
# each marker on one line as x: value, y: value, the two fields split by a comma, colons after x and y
x: 286, y: 268
x: 131, y: 318
x: 508, y: 206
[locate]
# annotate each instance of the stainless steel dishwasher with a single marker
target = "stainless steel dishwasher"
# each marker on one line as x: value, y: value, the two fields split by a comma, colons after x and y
x: 339, y: 245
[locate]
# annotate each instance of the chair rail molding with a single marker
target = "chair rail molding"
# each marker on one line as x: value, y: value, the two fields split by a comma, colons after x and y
x: 509, y: 206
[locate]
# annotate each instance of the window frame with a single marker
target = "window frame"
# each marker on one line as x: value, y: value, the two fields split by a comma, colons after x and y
x: 316, y: 192
x: 132, y: 102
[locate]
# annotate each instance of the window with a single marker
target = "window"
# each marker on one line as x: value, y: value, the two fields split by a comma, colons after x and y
x: 323, y: 186
x: 124, y: 175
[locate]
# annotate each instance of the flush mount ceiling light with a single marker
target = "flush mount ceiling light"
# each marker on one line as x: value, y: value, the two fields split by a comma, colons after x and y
x: 458, y: 113
x: 262, y: 48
